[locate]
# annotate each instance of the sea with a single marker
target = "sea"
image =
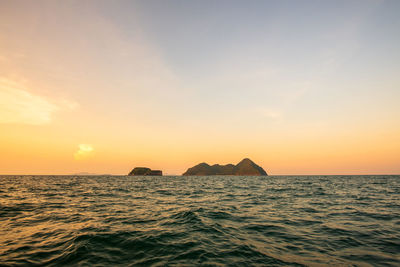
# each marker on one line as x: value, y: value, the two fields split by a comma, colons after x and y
x: 200, y: 221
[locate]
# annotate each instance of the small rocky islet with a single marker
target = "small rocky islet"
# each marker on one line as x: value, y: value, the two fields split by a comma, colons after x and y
x: 144, y: 171
x: 246, y: 167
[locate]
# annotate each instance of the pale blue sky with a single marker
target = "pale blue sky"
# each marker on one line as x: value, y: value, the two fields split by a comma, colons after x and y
x: 320, y: 56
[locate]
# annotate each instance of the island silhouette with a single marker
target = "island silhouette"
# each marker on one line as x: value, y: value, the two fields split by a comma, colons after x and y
x: 246, y: 167
x: 144, y: 171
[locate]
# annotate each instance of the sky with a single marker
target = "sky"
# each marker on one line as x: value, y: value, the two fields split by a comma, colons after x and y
x: 300, y: 87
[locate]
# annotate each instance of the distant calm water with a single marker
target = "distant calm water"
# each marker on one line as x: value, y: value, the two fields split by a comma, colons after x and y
x: 217, y: 220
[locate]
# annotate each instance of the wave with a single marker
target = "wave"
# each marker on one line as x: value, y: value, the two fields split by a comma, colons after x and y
x: 278, y: 221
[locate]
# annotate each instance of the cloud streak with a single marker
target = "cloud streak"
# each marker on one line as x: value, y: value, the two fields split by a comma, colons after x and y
x: 84, y: 151
x: 19, y: 106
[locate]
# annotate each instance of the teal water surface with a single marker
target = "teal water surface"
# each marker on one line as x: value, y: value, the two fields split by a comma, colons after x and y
x: 210, y: 220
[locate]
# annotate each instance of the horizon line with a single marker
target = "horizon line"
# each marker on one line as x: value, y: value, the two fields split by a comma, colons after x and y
x: 200, y: 175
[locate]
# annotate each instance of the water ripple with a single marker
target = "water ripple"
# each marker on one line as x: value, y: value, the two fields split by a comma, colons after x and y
x: 219, y: 220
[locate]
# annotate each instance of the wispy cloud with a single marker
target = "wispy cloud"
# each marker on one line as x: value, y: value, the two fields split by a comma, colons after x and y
x: 19, y: 106
x: 84, y: 151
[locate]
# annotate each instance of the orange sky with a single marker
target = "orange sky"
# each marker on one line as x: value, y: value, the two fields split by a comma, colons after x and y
x: 100, y: 88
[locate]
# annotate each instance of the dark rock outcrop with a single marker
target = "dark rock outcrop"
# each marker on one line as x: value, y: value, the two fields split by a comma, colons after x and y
x: 245, y: 167
x: 145, y: 172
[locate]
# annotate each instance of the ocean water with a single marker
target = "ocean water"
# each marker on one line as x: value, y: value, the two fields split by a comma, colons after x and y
x: 210, y: 220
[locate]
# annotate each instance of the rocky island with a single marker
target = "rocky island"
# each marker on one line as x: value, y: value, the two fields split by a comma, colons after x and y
x: 143, y: 171
x: 245, y: 167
